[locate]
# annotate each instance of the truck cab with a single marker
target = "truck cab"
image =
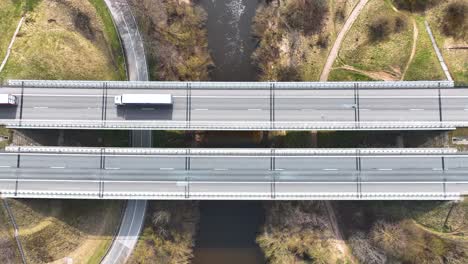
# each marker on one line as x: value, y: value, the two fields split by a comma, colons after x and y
x: 8, y: 99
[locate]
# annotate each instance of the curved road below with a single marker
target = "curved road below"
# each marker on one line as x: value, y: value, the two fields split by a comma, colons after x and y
x: 137, y: 70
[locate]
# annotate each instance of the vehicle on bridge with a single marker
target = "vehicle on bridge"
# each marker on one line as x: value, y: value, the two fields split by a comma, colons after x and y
x: 7, y: 99
x: 143, y: 99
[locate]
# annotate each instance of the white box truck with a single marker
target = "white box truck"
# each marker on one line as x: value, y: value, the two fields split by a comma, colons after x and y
x: 143, y: 99
x: 7, y: 99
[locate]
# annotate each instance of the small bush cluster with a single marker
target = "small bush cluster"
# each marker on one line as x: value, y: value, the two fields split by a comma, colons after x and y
x: 382, y: 27
x: 455, y: 20
x: 415, y: 5
x: 307, y: 16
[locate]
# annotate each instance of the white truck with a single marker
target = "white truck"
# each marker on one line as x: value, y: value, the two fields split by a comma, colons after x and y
x: 7, y: 99
x: 143, y: 99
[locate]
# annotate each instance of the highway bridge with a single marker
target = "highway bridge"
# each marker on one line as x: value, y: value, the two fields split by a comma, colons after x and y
x: 260, y: 174
x: 421, y: 105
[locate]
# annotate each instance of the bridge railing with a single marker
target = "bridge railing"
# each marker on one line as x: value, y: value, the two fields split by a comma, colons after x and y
x: 229, y: 125
x: 230, y: 85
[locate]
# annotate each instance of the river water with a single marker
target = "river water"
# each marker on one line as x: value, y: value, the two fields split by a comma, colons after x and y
x: 230, y: 38
x: 228, y: 229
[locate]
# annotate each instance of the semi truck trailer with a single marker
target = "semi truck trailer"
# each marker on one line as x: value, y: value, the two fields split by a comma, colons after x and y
x: 143, y: 99
x: 7, y: 99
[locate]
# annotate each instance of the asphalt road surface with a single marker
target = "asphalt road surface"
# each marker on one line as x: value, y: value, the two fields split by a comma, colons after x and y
x: 224, y: 173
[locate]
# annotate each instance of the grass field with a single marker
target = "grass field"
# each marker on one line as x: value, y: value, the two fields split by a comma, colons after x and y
x: 9, y: 252
x: 456, y: 59
x: 51, y: 230
x: 425, y: 65
x: 66, y: 40
x: 387, y: 57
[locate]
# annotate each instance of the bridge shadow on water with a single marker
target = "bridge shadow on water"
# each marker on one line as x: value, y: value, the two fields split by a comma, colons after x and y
x: 227, y: 233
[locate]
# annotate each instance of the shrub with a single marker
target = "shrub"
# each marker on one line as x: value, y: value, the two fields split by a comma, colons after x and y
x: 415, y: 5
x: 455, y: 23
x: 382, y: 27
x: 307, y: 16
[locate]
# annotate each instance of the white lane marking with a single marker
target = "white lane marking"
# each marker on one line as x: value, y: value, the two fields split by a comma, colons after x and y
x: 416, y: 109
x: 254, y: 109
x: 466, y: 109
x: 220, y: 169
x: 308, y: 109
x: 385, y: 169
x: 93, y: 108
x: 112, y: 168
x: 3, y: 166
x: 364, y: 109
x: 330, y: 169
x: 147, y: 109
x: 41, y: 107
x: 57, y: 167
x: 279, y: 169
x: 436, y: 169
x: 201, y: 109
x: 166, y: 168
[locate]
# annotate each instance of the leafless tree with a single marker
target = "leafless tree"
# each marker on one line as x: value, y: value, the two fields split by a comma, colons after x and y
x: 364, y: 250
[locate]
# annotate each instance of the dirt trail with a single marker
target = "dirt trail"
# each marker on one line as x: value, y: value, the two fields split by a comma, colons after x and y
x: 413, y: 49
x: 339, y: 39
x: 340, y: 243
x: 376, y: 75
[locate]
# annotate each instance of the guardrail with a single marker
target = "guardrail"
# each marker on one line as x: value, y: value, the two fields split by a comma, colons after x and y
x: 231, y: 125
x: 266, y: 152
x: 230, y: 85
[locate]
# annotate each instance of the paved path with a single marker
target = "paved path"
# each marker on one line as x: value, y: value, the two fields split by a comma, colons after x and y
x: 137, y: 70
x: 336, y: 46
x: 439, y: 54
x: 11, y: 44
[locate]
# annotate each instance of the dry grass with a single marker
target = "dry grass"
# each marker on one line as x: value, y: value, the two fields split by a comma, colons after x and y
x: 298, y: 232
x: 9, y: 253
x: 51, y: 230
x: 456, y: 59
x: 63, y: 40
x: 387, y: 57
x: 169, y: 232
x: 405, y: 232
x: 175, y: 39
x: 425, y: 65
x: 10, y: 14
x: 285, y: 51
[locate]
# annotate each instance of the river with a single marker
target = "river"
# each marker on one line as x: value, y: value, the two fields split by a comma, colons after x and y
x: 230, y: 38
x: 228, y: 229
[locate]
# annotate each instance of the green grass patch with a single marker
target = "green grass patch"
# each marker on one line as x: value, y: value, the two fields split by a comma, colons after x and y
x: 425, y: 65
x: 345, y: 75
x: 50, y: 47
x: 10, y: 14
x: 112, y: 36
x: 390, y: 54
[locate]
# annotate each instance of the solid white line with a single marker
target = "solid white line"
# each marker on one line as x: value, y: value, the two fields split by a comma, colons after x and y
x: 466, y: 109
x: 330, y: 169
x: 3, y: 166
x: 416, y: 109
x: 112, y: 168
x: 201, y: 109
x: 385, y: 169
x: 57, y: 167
x: 166, y: 168
x: 220, y: 169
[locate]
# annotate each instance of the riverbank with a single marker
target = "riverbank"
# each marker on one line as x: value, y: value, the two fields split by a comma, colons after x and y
x: 175, y: 37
